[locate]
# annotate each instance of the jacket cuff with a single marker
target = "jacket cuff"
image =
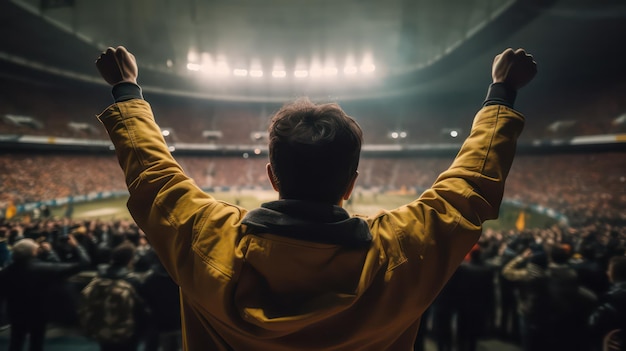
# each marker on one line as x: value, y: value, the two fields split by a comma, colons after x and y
x: 500, y: 94
x: 126, y: 91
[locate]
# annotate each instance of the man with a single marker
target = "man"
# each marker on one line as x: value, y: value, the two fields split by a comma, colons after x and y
x: 112, y: 312
x: 608, y: 320
x: 300, y: 273
x: 160, y: 293
x: 475, y: 304
x: 548, y: 291
x: 26, y: 283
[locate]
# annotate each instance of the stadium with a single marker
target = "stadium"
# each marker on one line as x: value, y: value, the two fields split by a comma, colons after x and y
x: 412, y: 74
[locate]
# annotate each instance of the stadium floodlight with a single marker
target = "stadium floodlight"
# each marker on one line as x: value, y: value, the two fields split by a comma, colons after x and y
x: 451, y: 132
x: 240, y: 72
x: 256, y: 73
x: 222, y: 69
x: 193, y: 66
x: 368, y: 68
x: 301, y: 73
x: 192, y: 55
x: 330, y: 71
x: 315, y: 72
x: 350, y: 70
x: 398, y: 134
x: 279, y: 74
x: 259, y: 136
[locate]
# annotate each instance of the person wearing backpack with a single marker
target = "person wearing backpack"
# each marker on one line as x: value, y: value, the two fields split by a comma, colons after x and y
x: 111, y: 311
x: 160, y: 293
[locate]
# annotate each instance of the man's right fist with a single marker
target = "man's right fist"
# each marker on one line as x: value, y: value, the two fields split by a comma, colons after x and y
x: 117, y: 66
x: 513, y: 68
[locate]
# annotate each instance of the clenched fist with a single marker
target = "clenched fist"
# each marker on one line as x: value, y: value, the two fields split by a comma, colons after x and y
x: 513, y: 68
x: 117, y: 66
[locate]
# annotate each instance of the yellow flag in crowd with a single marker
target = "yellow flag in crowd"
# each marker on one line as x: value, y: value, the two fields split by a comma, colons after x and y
x: 11, y: 211
x: 520, y: 223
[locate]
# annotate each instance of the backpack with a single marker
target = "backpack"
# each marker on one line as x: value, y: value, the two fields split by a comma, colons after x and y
x: 107, y: 310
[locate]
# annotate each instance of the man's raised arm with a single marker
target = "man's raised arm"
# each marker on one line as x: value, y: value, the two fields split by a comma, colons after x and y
x: 164, y: 201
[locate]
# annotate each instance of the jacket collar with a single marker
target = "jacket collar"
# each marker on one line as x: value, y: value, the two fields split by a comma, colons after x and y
x: 310, y: 221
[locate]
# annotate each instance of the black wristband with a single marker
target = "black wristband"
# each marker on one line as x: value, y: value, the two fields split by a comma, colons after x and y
x: 126, y: 91
x: 500, y: 94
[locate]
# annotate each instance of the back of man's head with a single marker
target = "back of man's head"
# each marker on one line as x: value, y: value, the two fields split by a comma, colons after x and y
x: 123, y: 254
x: 314, y: 151
x: 24, y: 250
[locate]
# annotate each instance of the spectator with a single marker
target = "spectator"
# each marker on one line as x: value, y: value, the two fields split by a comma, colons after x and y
x: 25, y: 283
x: 552, y: 305
x: 161, y: 296
x: 112, y: 311
x: 590, y: 272
x: 278, y: 277
x: 475, y: 303
x: 570, y: 303
x: 608, y: 320
x: 444, y: 309
x: 528, y: 269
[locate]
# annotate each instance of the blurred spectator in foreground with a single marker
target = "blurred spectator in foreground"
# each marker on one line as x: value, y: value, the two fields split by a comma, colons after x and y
x: 608, y: 320
x: 589, y: 269
x: 112, y: 312
x: 25, y: 283
x: 161, y: 296
x: 443, y: 310
x: 553, y: 307
x: 476, y: 303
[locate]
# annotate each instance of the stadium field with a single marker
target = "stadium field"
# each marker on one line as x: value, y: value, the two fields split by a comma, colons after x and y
x: 363, y: 202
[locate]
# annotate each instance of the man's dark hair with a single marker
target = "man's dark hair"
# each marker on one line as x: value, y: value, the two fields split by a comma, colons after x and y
x: 123, y: 254
x: 314, y: 151
x: 617, y: 265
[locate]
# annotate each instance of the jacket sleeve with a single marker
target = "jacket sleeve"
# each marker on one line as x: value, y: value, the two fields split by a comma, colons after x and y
x: 438, y: 229
x: 513, y: 273
x: 165, y: 203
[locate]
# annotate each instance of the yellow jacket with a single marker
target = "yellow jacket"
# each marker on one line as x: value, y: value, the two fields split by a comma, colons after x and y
x: 244, y: 289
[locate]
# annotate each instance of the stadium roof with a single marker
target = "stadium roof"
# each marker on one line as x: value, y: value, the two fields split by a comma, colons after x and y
x: 416, y: 46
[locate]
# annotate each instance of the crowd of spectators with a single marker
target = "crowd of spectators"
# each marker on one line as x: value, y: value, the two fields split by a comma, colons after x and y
x: 588, y: 188
x: 544, y: 289
x: 585, y: 188
x: 35, y: 290
x: 37, y: 177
